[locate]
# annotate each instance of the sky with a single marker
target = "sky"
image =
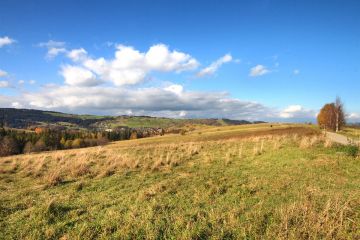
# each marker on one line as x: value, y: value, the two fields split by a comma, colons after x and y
x: 253, y: 60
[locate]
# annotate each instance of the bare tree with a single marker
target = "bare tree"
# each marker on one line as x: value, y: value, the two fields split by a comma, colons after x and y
x: 339, y: 114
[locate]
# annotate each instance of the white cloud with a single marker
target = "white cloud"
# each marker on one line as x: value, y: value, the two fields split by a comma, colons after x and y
x: 175, y: 88
x: 52, y: 44
x: 160, y: 58
x: 77, y: 54
x: 21, y: 82
x: 6, y: 41
x: 32, y: 82
x: 182, y: 113
x: 3, y: 73
x: 78, y: 76
x: 353, y: 117
x: 16, y: 105
x: 296, y: 71
x: 130, y: 66
x: 213, y: 67
x: 258, y: 70
x: 53, y: 52
x: 4, y: 84
x: 5, y: 101
x: 169, y: 102
x: 297, y: 111
x: 54, y: 48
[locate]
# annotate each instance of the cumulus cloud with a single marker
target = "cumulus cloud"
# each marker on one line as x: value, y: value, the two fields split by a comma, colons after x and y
x: 297, y: 111
x: 54, y: 48
x: 77, y: 54
x: 53, y: 52
x: 3, y: 73
x: 353, y: 117
x: 213, y: 67
x: 4, y: 84
x: 175, y: 88
x: 6, y: 41
x: 78, y: 76
x: 130, y: 66
x: 258, y: 70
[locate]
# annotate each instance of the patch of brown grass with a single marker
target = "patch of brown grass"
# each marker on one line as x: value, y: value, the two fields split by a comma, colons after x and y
x: 53, y: 179
x: 308, y: 220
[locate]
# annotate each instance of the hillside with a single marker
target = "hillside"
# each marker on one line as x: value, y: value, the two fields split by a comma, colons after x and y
x: 227, y: 182
x: 27, y: 118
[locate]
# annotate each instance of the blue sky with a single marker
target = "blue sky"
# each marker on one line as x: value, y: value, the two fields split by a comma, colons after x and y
x: 270, y: 60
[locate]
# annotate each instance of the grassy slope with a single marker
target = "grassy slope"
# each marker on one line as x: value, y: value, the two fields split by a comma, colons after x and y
x: 228, y: 182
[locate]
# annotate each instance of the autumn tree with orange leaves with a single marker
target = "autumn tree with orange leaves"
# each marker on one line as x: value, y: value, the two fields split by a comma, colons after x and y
x: 331, y: 116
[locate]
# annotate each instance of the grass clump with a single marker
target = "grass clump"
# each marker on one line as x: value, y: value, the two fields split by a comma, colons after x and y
x: 54, y: 179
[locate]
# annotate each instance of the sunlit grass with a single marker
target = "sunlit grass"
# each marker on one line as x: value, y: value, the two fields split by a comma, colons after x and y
x: 250, y: 182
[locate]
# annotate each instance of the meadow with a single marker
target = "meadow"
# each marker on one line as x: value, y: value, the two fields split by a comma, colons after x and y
x: 262, y: 181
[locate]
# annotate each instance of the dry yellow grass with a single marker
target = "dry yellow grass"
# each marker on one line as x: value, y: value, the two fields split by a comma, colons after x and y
x: 260, y: 186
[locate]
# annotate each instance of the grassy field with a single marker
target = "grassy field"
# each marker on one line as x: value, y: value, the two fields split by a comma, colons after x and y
x: 351, y: 132
x: 232, y: 182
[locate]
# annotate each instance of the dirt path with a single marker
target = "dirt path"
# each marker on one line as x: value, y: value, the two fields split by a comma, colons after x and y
x: 338, y: 138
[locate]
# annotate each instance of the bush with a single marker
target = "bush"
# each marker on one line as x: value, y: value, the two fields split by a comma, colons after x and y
x: 68, y: 144
x: 133, y: 135
x: 8, y: 146
x: 182, y: 132
x: 29, y: 147
x: 350, y: 150
x: 78, y: 143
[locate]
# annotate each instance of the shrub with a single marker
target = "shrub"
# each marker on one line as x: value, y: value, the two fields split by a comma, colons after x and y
x: 68, y: 144
x: 29, y: 147
x: 78, y: 143
x: 40, y: 146
x: 8, y: 146
x: 349, y: 150
x: 133, y: 135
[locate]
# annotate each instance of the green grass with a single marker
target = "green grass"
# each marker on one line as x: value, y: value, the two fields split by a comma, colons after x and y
x: 213, y: 186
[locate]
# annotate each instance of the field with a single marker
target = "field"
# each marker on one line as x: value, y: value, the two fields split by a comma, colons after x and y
x: 351, y: 132
x: 228, y: 182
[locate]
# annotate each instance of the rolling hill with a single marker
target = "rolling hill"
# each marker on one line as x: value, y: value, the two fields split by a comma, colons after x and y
x: 29, y: 118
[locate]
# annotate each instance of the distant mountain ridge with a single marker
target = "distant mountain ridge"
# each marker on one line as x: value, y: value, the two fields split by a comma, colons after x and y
x: 31, y: 118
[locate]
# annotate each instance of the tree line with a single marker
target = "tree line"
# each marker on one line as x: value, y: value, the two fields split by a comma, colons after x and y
x: 15, y: 141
